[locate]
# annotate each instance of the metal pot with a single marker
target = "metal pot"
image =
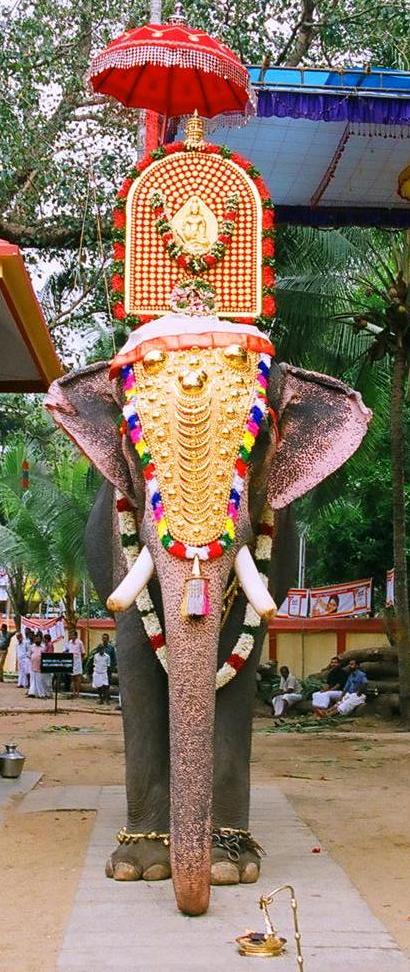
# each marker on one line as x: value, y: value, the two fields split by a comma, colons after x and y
x: 11, y: 762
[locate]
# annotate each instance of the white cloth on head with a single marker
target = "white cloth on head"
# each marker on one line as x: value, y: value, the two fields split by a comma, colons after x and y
x: 278, y: 703
x: 349, y: 703
x: 322, y: 700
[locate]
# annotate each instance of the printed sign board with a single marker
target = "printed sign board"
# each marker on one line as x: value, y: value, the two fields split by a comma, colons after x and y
x: 57, y: 663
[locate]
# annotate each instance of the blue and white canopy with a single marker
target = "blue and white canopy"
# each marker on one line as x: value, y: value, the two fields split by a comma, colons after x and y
x: 330, y: 144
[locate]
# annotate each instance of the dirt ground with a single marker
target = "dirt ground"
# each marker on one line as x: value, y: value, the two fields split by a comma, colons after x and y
x: 350, y: 786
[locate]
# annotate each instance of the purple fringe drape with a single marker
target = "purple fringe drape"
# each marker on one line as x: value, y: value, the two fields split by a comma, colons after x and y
x: 331, y: 107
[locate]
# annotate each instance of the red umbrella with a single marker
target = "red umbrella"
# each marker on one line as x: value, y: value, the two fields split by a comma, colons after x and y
x: 173, y: 69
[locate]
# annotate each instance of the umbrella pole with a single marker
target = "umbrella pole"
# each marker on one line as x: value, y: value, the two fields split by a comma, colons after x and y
x: 151, y: 122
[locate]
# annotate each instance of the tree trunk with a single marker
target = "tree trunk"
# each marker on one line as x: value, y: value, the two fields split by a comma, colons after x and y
x: 17, y: 585
x: 69, y: 601
x: 399, y: 527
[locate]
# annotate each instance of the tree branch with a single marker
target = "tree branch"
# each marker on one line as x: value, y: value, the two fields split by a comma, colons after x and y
x: 305, y: 34
x: 49, y: 236
x: 65, y: 313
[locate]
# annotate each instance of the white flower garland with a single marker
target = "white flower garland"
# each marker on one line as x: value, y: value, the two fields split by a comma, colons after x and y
x: 149, y: 617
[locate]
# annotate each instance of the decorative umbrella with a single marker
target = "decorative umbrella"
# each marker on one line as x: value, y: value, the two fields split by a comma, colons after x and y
x: 174, y: 69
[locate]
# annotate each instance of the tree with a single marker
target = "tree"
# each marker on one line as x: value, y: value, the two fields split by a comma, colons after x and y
x: 352, y: 536
x: 64, y: 150
x: 357, y: 317
x: 42, y: 534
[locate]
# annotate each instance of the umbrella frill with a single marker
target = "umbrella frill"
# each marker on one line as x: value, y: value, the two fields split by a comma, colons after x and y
x: 191, y: 53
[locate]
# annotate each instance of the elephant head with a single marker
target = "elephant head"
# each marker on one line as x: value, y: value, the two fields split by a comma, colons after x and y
x: 188, y: 390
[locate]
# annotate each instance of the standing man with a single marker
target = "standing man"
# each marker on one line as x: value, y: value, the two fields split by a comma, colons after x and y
x: 106, y: 646
x: 289, y: 692
x: 76, y: 647
x: 28, y: 646
x: 21, y: 660
x: 5, y: 638
x: 100, y: 674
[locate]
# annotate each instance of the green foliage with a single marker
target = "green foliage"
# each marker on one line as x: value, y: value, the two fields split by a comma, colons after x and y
x: 42, y: 531
x: 64, y: 151
x: 339, y: 311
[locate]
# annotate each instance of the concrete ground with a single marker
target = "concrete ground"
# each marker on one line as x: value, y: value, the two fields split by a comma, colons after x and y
x: 135, y: 926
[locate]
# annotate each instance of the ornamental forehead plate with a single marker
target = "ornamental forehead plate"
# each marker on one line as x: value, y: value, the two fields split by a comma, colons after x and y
x: 196, y: 443
x: 194, y: 212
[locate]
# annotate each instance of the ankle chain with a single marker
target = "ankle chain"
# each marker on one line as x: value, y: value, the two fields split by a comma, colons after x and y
x: 125, y: 836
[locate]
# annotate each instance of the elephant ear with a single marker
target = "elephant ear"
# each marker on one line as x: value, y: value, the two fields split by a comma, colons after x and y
x: 83, y: 404
x: 321, y: 424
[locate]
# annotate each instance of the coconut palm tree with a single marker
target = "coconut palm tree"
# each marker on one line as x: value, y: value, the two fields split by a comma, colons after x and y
x: 344, y: 305
x: 42, y: 533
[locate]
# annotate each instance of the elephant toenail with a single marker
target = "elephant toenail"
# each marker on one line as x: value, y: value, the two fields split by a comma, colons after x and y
x: 250, y: 873
x: 109, y: 871
x: 157, y: 872
x: 126, y: 872
x: 224, y: 872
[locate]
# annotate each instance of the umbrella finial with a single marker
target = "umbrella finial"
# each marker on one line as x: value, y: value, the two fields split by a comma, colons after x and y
x: 178, y: 17
x: 194, y: 132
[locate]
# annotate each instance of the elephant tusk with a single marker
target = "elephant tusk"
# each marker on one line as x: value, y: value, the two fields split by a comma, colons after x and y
x: 253, y: 586
x: 134, y: 582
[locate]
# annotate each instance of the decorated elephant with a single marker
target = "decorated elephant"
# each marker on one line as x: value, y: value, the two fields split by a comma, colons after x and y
x: 204, y: 441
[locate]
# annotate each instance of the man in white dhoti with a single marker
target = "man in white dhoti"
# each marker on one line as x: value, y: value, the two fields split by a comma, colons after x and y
x: 102, y: 663
x: 332, y: 690
x: 354, y: 692
x: 21, y: 660
x: 289, y: 692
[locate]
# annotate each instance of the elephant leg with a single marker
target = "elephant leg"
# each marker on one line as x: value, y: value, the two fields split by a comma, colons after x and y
x: 144, y: 701
x: 233, y: 733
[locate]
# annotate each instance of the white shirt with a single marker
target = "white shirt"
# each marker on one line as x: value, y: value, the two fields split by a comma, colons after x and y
x: 101, y: 663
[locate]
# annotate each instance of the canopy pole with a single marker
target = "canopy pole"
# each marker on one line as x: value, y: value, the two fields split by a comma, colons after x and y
x: 151, y: 122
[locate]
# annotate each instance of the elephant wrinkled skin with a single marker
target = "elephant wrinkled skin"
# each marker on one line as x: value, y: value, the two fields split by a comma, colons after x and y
x: 187, y: 748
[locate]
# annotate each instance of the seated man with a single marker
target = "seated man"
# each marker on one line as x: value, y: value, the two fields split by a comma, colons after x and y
x: 333, y: 688
x: 354, y: 691
x: 289, y: 692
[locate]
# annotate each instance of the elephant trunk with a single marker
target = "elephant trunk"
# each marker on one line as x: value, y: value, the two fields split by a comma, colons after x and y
x: 192, y: 663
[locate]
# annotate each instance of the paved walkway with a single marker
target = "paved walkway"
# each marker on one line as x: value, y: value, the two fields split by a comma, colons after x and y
x: 16, y: 788
x: 135, y: 927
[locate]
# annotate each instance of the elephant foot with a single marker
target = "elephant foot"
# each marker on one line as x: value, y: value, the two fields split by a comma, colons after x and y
x: 225, y: 871
x: 147, y: 860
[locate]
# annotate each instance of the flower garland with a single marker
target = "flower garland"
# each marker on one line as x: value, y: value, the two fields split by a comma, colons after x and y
x: 253, y: 423
x: 265, y: 321
x: 176, y: 251
x: 193, y: 297
x: 152, y: 625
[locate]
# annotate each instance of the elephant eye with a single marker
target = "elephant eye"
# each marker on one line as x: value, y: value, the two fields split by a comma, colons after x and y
x: 237, y: 357
x: 154, y: 360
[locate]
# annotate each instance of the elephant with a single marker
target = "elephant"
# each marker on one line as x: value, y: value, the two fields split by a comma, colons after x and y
x: 187, y: 747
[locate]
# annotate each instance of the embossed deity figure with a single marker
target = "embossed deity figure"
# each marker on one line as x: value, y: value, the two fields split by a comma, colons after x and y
x: 216, y: 440
x: 194, y: 232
